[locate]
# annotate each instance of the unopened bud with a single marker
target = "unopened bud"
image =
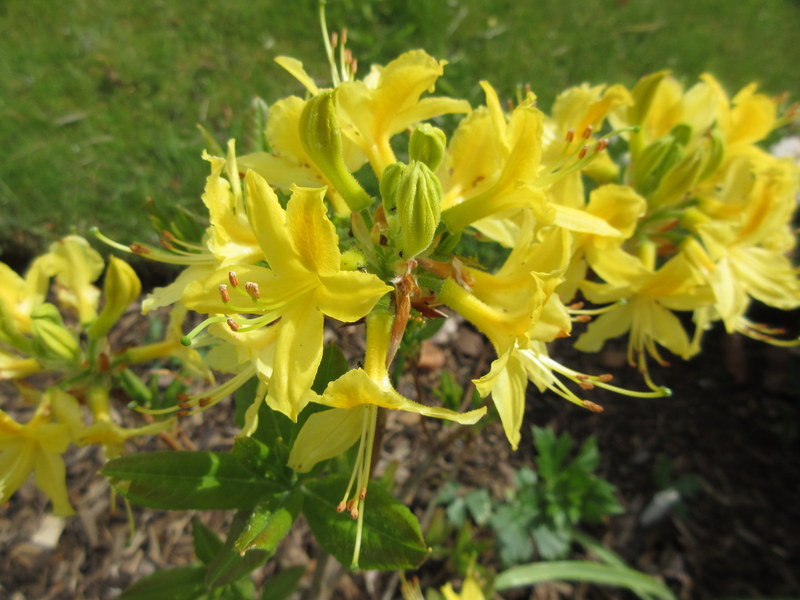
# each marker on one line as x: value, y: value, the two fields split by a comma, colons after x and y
x: 321, y: 137
x: 412, y: 195
x: 120, y: 289
x: 51, y: 339
x: 427, y: 145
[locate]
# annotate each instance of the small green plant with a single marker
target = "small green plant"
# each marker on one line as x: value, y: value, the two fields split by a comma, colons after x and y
x: 545, y: 506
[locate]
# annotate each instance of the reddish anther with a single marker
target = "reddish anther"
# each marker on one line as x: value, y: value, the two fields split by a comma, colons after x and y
x: 223, y: 292
x: 233, y: 279
x: 233, y: 324
x: 587, y: 132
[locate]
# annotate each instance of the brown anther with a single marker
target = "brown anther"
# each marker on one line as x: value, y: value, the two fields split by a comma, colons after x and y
x: 583, y: 318
x: 184, y: 404
x: 348, y: 55
x: 183, y: 413
x: 601, y: 145
x: 252, y: 289
x: 583, y: 152
x: 182, y: 396
x: 605, y: 377
x: 203, y: 402
x: 334, y: 39
x: 582, y: 377
x: 166, y: 244
x: 509, y: 105
x: 353, y: 66
x: 138, y: 248
x: 344, y: 36
x: 341, y: 506
x: 233, y: 279
x: 351, y: 504
x: 167, y: 235
x: 354, y: 514
x: 587, y: 132
x: 577, y: 305
x: 233, y: 324
x: 586, y: 385
x: 102, y: 362
x: 592, y: 406
x: 223, y: 292
x: 362, y: 493
x: 570, y: 136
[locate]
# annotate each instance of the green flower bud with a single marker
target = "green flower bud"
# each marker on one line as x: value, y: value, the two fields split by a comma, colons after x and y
x: 715, y: 152
x: 121, y: 287
x: 678, y: 180
x: 427, y: 145
x: 52, y: 341
x: 659, y: 157
x: 321, y: 138
x: 412, y: 196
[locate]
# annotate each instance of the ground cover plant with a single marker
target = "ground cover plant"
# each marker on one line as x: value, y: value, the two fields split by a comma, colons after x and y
x: 648, y: 212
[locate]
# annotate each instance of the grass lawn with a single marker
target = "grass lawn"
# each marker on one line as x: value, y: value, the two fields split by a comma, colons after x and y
x: 99, y: 100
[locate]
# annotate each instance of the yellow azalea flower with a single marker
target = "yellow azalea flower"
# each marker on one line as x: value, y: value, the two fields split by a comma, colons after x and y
x: 20, y: 295
x: 229, y: 238
x: 493, y: 169
x: 35, y: 447
x: 387, y: 101
x: 355, y: 398
x: 646, y: 313
x: 76, y: 266
x: 303, y: 283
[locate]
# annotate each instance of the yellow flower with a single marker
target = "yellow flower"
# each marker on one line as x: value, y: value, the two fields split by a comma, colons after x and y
x: 20, y: 295
x: 76, y: 266
x: 303, y: 283
x: 35, y: 447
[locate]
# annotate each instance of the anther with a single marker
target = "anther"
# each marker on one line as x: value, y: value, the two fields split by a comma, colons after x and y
x: 103, y: 362
x: 586, y: 385
x: 167, y: 235
x: 334, y: 39
x: 183, y: 413
x: 577, y: 305
x: 362, y: 493
x: 184, y: 404
x: 223, y: 292
x: 583, y: 152
x: 605, y: 377
x: 592, y: 406
x: 583, y: 318
x: 203, y: 402
x: 341, y: 506
x: 570, y: 136
x: 233, y: 279
x: 344, y: 36
x: 582, y: 377
x: 138, y: 248
x: 587, y: 132
x: 351, y: 504
x: 252, y: 289
x: 233, y: 324
x: 601, y: 145
x: 354, y: 514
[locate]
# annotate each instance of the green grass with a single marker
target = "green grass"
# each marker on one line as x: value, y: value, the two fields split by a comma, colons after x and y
x: 99, y: 100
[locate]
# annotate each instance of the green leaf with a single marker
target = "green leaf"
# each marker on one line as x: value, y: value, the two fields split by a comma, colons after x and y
x: 229, y: 565
x: 183, y: 583
x: 206, y: 542
x: 269, y: 522
x: 527, y: 575
x: 391, y: 540
x: 252, y: 454
x: 283, y: 585
x: 187, y: 480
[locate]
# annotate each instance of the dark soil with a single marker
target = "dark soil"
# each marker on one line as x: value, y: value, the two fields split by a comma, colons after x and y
x: 727, y: 440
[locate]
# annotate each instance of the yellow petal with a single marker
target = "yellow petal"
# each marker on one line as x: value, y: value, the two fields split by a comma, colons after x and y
x: 313, y: 235
x: 295, y: 68
x: 507, y: 381
x: 325, y: 435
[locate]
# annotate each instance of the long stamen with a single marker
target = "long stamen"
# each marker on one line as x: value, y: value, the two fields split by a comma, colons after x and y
x: 327, y: 41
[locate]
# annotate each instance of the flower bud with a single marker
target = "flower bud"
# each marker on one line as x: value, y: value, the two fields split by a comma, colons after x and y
x: 411, y: 195
x: 678, y: 180
x: 321, y: 138
x: 427, y: 145
x: 121, y: 287
x: 52, y: 341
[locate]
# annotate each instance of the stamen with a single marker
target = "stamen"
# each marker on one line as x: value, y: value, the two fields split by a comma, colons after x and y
x: 140, y: 249
x: 334, y: 40
x: 570, y: 136
x: 186, y: 340
x: 233, y: 324
x: 233, y: 279
x: 593, y: 406
x: 341, y: 506
x: 223, y: 292
x: 354, y: 514
x: 601, y: 145
x: 587, y: 132
x: 583, y: 152
x: 252, y: 288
